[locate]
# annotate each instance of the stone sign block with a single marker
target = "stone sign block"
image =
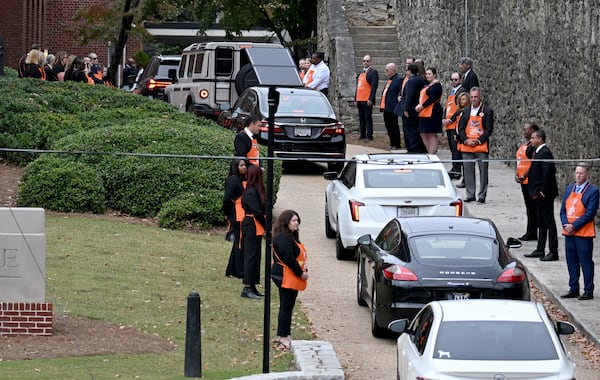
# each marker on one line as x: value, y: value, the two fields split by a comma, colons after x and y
x: 22, y: 254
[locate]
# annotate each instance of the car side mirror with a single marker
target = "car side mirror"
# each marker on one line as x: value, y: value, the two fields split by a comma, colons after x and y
x: 513, y: 243
x: 398, y: 326
x: 330, y: 176
x: 564, y: 328
x: 365, y: 240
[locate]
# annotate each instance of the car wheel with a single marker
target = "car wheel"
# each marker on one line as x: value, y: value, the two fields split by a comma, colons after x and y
x: 377, y: 331
x: 360, y: 280
x: 245, y: 78
x: 335, y: 166
x: 329, y: 232
x: 189, y: 107
x: 342, y: 253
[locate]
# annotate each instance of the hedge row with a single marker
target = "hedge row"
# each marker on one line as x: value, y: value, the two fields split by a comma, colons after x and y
x: 102, y: 128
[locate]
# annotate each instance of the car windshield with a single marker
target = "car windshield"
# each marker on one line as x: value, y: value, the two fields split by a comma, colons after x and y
x: 463, y: 250
x: 404, y: 178
x: 494, y: 340
x: 306, y: 104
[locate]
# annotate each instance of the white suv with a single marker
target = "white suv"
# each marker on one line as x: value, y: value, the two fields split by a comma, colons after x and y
x: 375, y: 188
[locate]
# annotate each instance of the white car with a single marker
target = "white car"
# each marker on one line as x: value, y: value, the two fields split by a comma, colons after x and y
x: 372, y: 189
x: 483, y: 339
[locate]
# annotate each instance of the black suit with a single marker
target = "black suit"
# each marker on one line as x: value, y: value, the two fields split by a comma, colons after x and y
x: 410, y: 123
x: 543, y: 189
x: 470, y: 80
x: 389, y: 117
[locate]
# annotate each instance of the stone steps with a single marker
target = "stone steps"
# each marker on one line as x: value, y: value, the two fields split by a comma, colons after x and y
x: 381, y: 43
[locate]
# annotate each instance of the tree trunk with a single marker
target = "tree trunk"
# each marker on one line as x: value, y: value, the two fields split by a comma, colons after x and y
x: 117, y: 54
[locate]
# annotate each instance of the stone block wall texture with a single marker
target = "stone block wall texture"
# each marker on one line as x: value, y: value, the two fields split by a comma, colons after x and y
x: 537, y: 60
x: 24, y: 22
x: 26, y: 318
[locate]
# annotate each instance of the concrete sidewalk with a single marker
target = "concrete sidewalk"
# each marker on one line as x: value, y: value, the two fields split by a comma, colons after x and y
x: 504, y: 205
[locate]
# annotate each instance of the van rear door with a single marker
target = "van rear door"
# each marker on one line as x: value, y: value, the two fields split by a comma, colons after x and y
x: 224, y: 69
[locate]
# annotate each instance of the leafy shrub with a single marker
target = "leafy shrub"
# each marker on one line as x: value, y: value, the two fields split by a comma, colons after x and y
x: 199, y: 209
x: 60, y: 185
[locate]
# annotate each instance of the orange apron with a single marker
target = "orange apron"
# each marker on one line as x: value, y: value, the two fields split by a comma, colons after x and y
x: 385, y: 89
x: 450, y: 109
x: 523, y: 166
x: 363, y: 88
x: 474, y: 130
x: 254, y: 152
x: 290, y: 280
x: 423, y: 97
x: 575, y: 210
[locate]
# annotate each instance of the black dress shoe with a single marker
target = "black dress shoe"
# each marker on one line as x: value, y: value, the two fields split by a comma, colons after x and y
x: 528, y: 237
x: 248, y: 293
x: 570, y: 295
x: 470, y: 200
x: 255, y: 291
x: 550, y: 257
x: 585, y: 297
x: 534, y: 254
x: 480, y: 201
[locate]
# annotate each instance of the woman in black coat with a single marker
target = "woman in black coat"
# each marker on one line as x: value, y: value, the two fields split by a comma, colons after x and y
x: 289, y: 259
x: 253, y: 229
x: 232, y: 201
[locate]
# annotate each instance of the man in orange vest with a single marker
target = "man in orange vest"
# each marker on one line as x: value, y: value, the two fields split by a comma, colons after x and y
x: 577, y: 212
x: 450, y: 126
x: 523, y: 154
x: 245, y: 143
x: 366, y: 87
x: 95, y: 70
x: 474, y: 130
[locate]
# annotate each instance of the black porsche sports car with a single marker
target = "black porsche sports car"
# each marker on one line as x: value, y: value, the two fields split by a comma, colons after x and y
x: 416, y: 260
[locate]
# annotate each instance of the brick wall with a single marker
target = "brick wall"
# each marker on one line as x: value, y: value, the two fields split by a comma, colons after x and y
x: 26, y: 318
x: 24, y: 22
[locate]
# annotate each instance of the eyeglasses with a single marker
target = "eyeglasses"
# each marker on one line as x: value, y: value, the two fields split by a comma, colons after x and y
x: 454, y: 79
x: 366, y: 60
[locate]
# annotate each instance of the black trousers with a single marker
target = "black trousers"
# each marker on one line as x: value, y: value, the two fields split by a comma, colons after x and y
x: 393, y: 129
x: 235, y: 266
x: 456, y: 154
x: 532, y: 225
x: 546, y: 225
x: 251, y: 248
x: 365, y: 119
x: 287, y: 301
x: 412, y: 137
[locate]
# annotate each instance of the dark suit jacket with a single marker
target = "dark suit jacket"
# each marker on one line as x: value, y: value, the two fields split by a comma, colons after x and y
x: 410, y: 95
x: 242, y: 144
x: 470, y: 81
x: 542, y: 175
x: 391, y: 97
x: 488, y: 123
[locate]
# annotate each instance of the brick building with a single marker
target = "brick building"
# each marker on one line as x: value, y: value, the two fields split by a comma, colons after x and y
x: 24, y: 22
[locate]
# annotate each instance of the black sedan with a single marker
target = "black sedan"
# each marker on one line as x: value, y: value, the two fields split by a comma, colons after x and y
x: 305, y: 123
x: 417, y: 260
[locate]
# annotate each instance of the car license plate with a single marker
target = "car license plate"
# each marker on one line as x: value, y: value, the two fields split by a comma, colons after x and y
x: 408, y: 211
x: 302, y: 131
x: 461, y: 296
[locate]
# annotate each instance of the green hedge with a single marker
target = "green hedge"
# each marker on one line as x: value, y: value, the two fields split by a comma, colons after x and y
x: 100, y: 126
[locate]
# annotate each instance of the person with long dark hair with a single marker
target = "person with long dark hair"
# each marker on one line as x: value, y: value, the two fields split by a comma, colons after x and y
x: 288, y: 272
x: 234, y: 213
x: 253, y: 229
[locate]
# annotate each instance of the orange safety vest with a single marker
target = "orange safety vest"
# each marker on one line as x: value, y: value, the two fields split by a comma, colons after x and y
x: 474, y: 130
x: 523, y: 166
x: 310, y: 77
x: 451, y: 107
x: 89, y: 79
x: 301, y: 73
x: 404, y: 83
x: 290, y: 280
x: 385, y: 89
x: 254, y: 152
x: 363, y: 88
x: 575, y: 210
x: 423, y: 97
x: 239, y: 210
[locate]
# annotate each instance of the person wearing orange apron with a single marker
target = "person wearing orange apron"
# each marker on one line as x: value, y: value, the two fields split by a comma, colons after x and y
x: 288, y: 271
x: 430, y: 111
x: 317, y: 76
x: 474, y: 130
x: 366, y: 87
x: 523, y: 154
x: 578, y: 209
x: 253, y: 230
x: 452, y: 107
x: 245, y: 143
x: 234, y: 214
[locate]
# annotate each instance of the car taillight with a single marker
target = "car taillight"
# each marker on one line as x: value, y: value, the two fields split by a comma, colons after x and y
x: 335, y: 129
x: 152, y: 84
x: 203, y: 93
x: 400, y: 273
x: 458, y: 207
x: 512, y: 275
x: 354, y: 205
x: 264, y: 127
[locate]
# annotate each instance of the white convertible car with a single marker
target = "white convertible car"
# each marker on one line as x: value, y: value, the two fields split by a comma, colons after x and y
x: 372, y: 189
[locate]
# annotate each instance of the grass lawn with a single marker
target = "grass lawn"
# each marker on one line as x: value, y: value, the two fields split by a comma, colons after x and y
x: 141, y: 276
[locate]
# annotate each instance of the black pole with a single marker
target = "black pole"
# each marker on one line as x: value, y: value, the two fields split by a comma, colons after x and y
x: 193, y: 343
x: 273, y: 101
